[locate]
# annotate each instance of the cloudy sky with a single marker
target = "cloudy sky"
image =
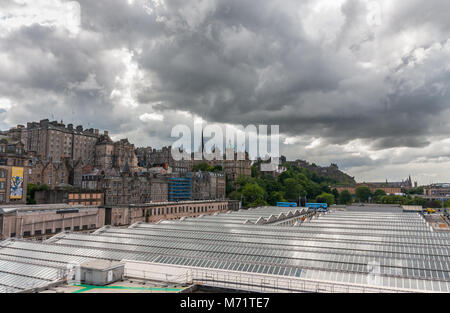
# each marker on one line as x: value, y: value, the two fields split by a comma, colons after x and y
x: 364, y: 84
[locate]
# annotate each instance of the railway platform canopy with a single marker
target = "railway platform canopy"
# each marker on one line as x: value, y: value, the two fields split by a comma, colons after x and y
x: 359, y: 251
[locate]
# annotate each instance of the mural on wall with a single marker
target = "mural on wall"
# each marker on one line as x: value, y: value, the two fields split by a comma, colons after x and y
x: 16, y: 183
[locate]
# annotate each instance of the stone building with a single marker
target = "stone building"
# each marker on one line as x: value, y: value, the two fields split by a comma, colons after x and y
x: 237, y: 166
x: 149, y: 157
x: 437, y: 191
x: 136, y: 189
x: 12, y: 153
x: 154, y: 212
x: 109, y: 154
x: 208, y: 186
x: 49, y: 172
x: 56, y: 140
x: 44, y: 221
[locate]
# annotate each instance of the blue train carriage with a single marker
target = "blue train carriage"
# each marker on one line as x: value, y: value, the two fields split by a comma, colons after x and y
x: 287, y: 204
x: 319, y: 207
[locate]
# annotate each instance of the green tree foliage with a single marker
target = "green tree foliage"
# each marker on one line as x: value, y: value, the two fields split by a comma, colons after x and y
x: 335, y: 193
x: 31, y: 191
x: 292, y: 189
x: 255, y: 170
x: 276, y: 196
x: 362, y: 193
x: 252, y: 193
x: 204, y: 167
x: 257, y: 203
x: 327, y: 198
x: 289, y: 186
x: 378, y: 195
x: 235, y: 195
x: 243, y: 180
x: 201, y: 167
x: 345, y: 197
x: 414, y: 191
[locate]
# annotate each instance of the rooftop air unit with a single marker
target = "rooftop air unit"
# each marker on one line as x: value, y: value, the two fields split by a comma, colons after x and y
x: 101, y: 272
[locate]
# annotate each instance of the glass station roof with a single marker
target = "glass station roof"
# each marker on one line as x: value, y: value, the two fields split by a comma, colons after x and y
x: 398, y: 248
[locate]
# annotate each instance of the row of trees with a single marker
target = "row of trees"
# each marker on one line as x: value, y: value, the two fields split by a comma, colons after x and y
x: 363, y: 194
x: 291, y: 185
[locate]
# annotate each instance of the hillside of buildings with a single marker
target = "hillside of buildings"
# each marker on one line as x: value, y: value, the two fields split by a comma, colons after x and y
x: 69, y: 164
x: 330, y: 173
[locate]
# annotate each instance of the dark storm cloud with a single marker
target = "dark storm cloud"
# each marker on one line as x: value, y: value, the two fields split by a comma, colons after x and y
x: 241, y: 65
x: 319, y: 68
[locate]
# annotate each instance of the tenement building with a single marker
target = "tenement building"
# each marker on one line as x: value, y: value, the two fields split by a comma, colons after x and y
x: 208, y: 186
x: 52, y: 139
x: 109, y: 154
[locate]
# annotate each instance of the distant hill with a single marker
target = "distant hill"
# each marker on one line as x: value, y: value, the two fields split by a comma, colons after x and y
x: 331, y: 172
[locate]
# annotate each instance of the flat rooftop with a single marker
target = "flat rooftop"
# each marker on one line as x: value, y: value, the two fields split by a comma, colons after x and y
x: 348, y: 247
x: 126, y: 286
x: 42, y: 207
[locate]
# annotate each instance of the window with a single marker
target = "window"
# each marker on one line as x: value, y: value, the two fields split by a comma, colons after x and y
x: 85, y: 227
x: 38, y: 232
x: 2, y: 185
x: 93, y: 226
x: 48, y: 231
x: 57, y: 230
x: 76, y: 228
x: 13, y: 235
x: 26, y: 234
x: 67, y: 228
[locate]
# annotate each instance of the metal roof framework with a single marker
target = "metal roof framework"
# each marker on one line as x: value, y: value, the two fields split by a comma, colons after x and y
x: 391, y: 250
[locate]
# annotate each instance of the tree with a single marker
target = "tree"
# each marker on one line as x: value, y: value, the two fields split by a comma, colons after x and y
x: 217, y: 169
x: 235, y: 195
x: 31, y: 191
x: 378, y: 194
x: 258, y: 203
x: 335, y: 193
x: 327, y: 198
x: 292, y: 189
x: 345, y: 197
x: 203, y: 166
x: 243, y: 180
x: 274, y: 197
x: 252, y: 193
x: 362, y: 193
x: 255, y: 170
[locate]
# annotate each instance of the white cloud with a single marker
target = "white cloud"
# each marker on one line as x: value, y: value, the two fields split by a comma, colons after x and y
x: 5, y: 104
x: 147, y: 117
x: 43, y: 12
